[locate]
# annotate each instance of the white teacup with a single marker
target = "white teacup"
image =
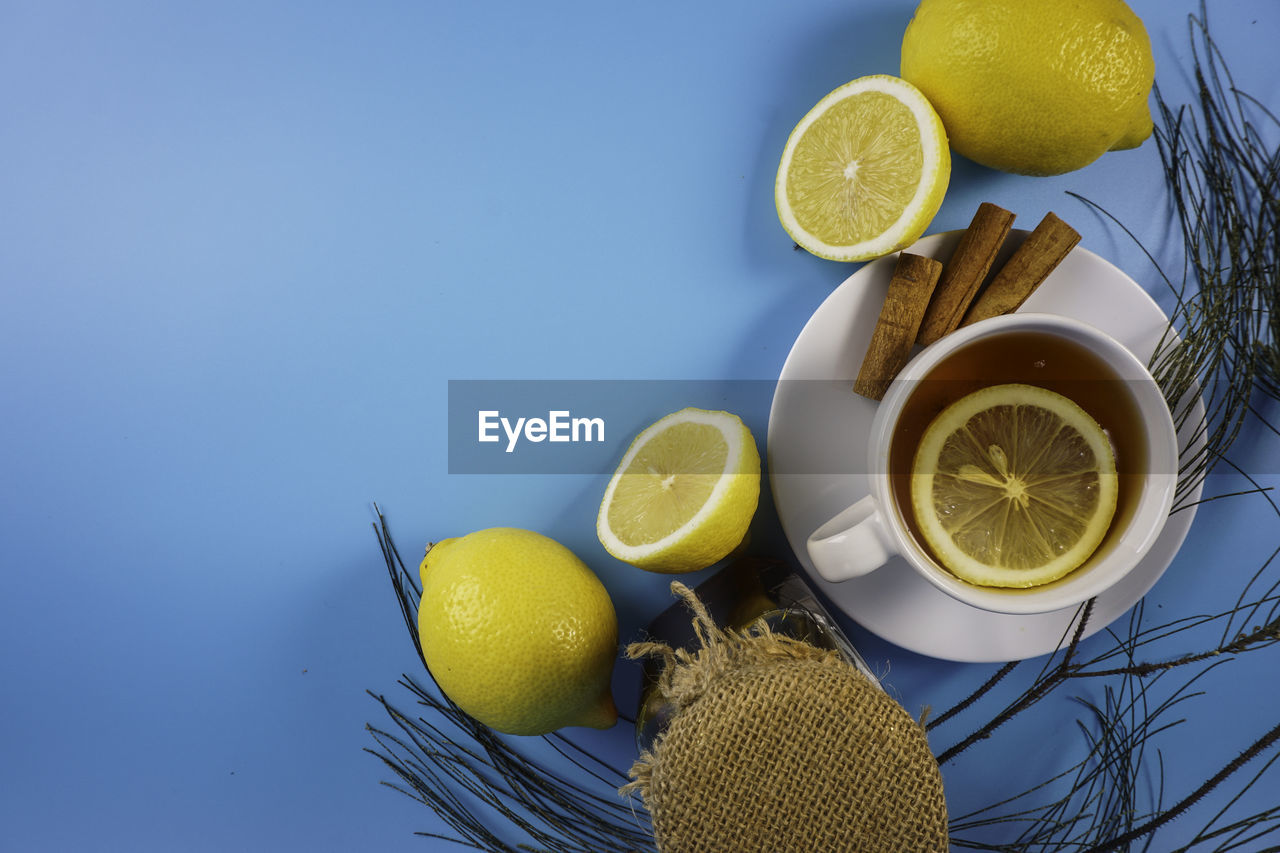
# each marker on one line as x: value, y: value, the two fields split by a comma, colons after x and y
x: 1084, y: 362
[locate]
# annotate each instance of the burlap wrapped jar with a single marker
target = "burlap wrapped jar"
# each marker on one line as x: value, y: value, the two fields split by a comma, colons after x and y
x: 776, y: 745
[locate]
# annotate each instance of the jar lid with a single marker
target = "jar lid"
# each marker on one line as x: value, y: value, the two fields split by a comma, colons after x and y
x: 777, y: 745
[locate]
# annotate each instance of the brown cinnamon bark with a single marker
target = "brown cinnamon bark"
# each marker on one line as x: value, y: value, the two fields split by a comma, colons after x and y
x: 1039, y: 255
x: 965, y: 272
x: 914, y: 278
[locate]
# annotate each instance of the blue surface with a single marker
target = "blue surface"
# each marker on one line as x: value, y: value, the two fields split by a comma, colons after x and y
x: 245, y: 248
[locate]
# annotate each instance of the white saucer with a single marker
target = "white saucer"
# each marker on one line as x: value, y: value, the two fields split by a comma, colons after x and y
x: 817, y: 453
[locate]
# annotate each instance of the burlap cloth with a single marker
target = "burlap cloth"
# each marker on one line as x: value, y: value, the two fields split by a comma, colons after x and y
x: 779, y: 746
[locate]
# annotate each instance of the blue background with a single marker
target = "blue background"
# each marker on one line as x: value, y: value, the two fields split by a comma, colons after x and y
x: 245, y: 246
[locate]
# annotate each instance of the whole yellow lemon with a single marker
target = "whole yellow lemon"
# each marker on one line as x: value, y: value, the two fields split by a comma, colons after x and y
x: 518, y: 631
x: 1035, y: 87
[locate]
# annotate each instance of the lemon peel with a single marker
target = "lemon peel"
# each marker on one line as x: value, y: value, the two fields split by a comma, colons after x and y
x: 1033, y: 88
x: 518, y: 632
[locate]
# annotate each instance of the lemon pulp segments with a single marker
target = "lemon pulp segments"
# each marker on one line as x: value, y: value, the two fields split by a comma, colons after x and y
x: 864, y: 172
x: 861, y: 160
x: 669, y: 479
x: 684, y: 494
x: 1013, y: 486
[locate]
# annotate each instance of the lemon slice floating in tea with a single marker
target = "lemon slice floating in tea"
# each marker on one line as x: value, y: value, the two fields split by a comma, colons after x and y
x: 684, y: 493
x: 864, y: 172
x: 1013, y: 486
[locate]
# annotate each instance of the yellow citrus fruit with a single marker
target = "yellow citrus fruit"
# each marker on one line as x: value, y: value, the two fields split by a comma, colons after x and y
x: 1034, y: 87
x: 518, y: 632
x: 864, y: 172
x: 1013, y: 486
x: 684, y: 493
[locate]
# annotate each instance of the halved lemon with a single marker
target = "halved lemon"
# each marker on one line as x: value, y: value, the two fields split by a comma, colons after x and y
x: 1014, y: 486
x: 864, y: 172
x: 684, y: 493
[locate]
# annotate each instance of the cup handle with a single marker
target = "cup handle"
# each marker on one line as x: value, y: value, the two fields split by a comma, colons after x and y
x: 851, y: 544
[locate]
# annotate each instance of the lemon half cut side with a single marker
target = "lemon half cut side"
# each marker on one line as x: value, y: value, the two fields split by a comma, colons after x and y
x: 1014, y: 486
x: 684, y: 493
x: 864, y: 172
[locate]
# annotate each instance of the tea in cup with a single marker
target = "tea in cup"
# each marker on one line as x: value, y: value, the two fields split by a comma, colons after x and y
x: 1066, y: 369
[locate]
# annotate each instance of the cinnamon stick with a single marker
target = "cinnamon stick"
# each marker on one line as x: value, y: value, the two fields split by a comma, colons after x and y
x: 914, y: 278
x: 964, y: 273
x: 1040, y: 253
